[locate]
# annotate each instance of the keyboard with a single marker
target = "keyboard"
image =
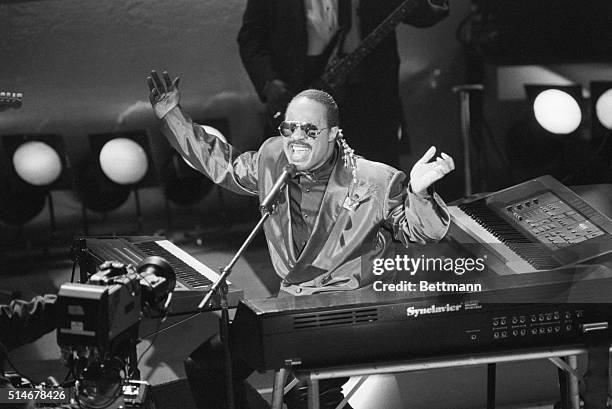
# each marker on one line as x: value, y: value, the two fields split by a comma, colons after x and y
x: 193, y: 278
x: 537, y: 225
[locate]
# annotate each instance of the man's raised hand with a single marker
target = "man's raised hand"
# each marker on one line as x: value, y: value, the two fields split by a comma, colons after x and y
x: 163, y: 93
x: 424, y: 173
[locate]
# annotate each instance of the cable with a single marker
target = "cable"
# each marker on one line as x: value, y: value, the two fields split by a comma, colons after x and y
x: 151, y: 344
x: 113, y: 363
x: 159, y: 331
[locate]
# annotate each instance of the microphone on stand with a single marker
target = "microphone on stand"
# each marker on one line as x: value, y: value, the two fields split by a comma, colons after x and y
x: 267, y: 205
x: 220, y: 286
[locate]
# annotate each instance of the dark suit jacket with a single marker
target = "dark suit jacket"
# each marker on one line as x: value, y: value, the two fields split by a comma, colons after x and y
x: 273, y: 39
x: 356, y: 223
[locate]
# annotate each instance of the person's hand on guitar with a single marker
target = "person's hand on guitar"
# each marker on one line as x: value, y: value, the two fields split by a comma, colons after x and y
x: 10, y: 100
x: 278, y: 96
x: 427, y: 13
x: 163, y: 93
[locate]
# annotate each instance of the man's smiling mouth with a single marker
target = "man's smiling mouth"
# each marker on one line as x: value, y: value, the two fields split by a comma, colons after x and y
x: 299, y: 151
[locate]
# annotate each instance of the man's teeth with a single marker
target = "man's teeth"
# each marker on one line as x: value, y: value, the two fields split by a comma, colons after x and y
x: 298, y: 148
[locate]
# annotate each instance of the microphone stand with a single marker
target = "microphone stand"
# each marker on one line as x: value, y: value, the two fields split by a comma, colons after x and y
x: 220, y: 286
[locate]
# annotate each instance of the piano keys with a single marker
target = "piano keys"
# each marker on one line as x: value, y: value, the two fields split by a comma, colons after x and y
x: 193, y: 278
x: 538, y: 225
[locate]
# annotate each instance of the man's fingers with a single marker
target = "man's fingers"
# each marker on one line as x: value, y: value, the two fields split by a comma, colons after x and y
x: 448, y: 160
x: 443, y: 165
x: 167, y: 81
x: 428, y: 155
x: 158, y: 82
x: 176, y: 82
x: 154, y: 95
x: 150, y: 83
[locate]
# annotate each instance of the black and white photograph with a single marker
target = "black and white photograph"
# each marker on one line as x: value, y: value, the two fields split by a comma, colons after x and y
x: 305, y: 204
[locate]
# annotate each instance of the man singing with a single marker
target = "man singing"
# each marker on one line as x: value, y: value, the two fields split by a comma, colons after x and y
x: 336, y: 216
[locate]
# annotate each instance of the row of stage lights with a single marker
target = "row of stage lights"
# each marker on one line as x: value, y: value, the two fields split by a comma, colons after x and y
x: 123, y: 161
x: 559, y: 109
x: 566, y: 134
x: 121, y: 164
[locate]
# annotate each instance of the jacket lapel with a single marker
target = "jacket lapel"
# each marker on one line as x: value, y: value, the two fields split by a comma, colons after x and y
x: 283, y: 213
x: 331, y: 205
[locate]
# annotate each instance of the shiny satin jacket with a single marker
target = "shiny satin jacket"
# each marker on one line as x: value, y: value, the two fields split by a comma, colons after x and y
x: 356, y: 223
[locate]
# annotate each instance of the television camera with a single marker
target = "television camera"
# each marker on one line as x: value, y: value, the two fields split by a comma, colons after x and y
x: 98, y: 323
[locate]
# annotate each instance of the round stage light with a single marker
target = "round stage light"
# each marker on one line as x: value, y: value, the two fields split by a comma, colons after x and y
x: 37, y: 163
x: 123, y: 161
x: 214, y: 131
x: 211, y: 131
x: 557, y: 111
x: 603, y: 109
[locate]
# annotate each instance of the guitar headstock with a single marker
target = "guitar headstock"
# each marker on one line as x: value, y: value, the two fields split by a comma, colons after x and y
x: 10, y: 100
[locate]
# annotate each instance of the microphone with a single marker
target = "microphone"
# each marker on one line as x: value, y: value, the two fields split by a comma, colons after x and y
x: 267, y: 205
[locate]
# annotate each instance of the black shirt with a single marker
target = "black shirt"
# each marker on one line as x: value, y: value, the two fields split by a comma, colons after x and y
x: 306, y: 192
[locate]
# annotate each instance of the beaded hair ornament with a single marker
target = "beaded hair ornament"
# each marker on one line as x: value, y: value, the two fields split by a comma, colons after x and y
x: 348, y: 155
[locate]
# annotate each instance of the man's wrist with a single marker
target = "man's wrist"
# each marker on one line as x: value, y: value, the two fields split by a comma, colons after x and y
x: 174, y: 112
x: 426, y: 195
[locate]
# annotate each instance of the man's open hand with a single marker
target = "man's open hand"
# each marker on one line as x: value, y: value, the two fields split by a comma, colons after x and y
x: 424, y: 173
x: 163, y: 94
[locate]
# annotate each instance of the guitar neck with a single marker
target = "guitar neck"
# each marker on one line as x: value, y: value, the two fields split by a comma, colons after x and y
x: 336, y: 74
x: 10, y: 99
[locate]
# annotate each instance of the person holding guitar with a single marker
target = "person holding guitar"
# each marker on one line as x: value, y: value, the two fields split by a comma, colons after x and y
x: 345, y: 47
x: 10, y: 100
x: 338, y: 213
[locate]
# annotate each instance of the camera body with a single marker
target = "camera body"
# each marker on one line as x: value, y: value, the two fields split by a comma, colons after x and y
x: 106, y: 310
x: 97, y: 328
x: 99, y: 312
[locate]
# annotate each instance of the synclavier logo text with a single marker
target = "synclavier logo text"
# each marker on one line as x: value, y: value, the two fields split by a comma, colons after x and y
x: 434, y: 309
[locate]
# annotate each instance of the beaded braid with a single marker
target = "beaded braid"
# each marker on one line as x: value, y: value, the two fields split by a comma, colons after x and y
x: 348, y: 156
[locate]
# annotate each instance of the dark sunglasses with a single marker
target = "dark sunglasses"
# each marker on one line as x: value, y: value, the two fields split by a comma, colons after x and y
x: 287, y: 128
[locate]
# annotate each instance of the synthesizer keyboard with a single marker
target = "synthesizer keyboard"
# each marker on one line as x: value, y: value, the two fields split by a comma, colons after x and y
x: 537, y: 225
x: 193, y: 278
x: 357, y: 327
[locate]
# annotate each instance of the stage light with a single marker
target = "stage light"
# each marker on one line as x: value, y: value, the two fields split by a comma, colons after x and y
x: 556, y: 109
x: 211, y: 131
x: 539, y: 143
x: 123, y: 161
x: 39, y: 160
x: 185, y: 185
x: 39, y: 166
x: 124, y: 158
x: 601, y: 120
x: 122, y: 164
x: 37, y: 163
x: 603, y: 109
x: 214, y: 131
